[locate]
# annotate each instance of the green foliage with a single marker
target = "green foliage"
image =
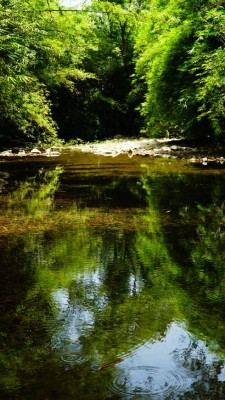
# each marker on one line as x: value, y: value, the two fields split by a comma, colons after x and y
x: 208, y: 254
x: 23, y: 98
x: 34, y: 197
x: 180, y: 56
x: 39, y: 51
x: 104, y: 103
x: 71, y: 72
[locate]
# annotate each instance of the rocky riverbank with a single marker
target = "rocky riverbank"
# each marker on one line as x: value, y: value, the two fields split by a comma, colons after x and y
x: 134, y: 147
x: 21, y: 153
x: 165, y: 148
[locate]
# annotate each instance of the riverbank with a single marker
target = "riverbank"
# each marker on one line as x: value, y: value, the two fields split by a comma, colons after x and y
x: 143, y: 147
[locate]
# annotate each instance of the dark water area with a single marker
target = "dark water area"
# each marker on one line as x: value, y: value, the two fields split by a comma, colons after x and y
x: 112, y: 280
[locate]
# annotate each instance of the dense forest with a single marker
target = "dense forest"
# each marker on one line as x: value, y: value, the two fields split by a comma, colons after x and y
x: 128, y: 67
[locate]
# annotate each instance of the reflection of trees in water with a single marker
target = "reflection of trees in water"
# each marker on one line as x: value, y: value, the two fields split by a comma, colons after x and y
x: 204, y: 277
x: 111, y: 292
x: 208, y: 385
x: 34, y: 197
x: 206, y: 369
x: 194, y: 236
x: 208, y: 255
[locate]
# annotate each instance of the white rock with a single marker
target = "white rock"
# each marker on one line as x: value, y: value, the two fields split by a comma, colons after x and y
x: 35, y: 151
x: 6, y: 153
x: 22, y: 153
x: 166, y: 149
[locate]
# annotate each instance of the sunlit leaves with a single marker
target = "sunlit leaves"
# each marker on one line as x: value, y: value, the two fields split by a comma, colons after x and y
x: 38, y: 52
x: 180, y: 56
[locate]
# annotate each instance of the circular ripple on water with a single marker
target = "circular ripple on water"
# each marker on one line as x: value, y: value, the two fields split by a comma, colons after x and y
x: 146, y: 380
x: 73, y: 354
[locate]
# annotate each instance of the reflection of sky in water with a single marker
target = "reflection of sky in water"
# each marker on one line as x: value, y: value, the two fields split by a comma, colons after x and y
x: 171, y: 365
x: 177, y: 351
x: 61, y: 298
x: 166, y: 367
x: 73, y: 323
x: 135, y: 284
x: 176, y: 345
x: 78, y: 316
x: 90, y: 278
x: 221, y: 376
x: 74, y: 318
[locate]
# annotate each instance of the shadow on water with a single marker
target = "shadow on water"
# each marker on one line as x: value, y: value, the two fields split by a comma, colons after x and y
x: 112, y: 280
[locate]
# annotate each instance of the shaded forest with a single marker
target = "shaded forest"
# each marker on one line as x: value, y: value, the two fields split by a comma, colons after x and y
x: 131, y: 68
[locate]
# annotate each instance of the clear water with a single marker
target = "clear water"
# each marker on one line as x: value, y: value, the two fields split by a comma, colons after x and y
x: 112, y: 280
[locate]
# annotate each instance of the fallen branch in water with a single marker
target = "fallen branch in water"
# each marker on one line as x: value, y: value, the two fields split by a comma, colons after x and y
x: 103, y: 366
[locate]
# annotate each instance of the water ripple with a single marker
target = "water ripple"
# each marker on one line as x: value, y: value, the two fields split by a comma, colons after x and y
x: 147, y: 380
x: 73, y: 354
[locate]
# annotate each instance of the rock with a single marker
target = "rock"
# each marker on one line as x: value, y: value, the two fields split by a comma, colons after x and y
x: 174, y: 147
x: 35, y: 151
x: 166, y: 149
x: 7, y: 153
x: 21, y: 153
x: 150, y: 152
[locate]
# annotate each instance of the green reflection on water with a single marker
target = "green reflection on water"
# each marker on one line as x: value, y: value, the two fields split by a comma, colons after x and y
x: 92, y: 285
x: 34, y: 197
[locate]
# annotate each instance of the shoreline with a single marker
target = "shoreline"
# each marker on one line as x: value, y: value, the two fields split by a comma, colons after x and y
x: 165, y: 148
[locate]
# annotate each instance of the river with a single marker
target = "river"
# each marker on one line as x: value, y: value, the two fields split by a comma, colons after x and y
x: 112, y: 278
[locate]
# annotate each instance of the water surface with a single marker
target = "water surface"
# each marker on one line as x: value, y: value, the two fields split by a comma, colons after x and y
x: 112, y: 279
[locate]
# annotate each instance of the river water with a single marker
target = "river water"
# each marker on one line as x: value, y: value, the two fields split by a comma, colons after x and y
x: 112, y: 279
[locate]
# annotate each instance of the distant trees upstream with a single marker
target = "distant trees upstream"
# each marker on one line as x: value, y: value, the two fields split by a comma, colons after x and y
x: 155, y: 67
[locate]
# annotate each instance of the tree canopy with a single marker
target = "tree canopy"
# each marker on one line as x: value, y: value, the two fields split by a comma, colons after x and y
x: 180, y: 58
x: 112, y: 67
